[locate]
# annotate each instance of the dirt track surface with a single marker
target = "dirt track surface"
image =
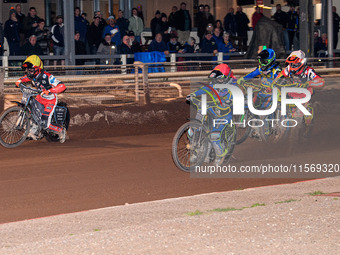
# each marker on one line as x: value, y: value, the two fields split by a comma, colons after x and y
x: 100, y: 166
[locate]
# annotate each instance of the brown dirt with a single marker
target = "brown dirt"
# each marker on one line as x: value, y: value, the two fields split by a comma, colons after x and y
x: 111, y: 164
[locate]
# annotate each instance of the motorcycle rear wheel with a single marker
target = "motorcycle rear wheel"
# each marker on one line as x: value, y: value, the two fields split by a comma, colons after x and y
x: 12, y: 133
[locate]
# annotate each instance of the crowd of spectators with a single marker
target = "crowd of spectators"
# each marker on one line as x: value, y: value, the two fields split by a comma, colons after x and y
x: 28, y: 35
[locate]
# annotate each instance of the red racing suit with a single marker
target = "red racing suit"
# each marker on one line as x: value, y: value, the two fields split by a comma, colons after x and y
x: 306, y: 79
x: 46, y: 82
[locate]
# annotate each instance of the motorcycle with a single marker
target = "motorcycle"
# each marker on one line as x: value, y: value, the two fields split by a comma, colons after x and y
x: 192, y: 144
x: 22, y: 122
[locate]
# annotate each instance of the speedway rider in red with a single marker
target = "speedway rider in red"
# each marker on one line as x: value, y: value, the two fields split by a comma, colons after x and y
x: 301, y: 75
x: 50, y: 87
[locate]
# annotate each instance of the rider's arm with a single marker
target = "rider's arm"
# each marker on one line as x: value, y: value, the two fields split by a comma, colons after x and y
x: 21, y: 80
x: 57, y: 86
x: 315, y: 80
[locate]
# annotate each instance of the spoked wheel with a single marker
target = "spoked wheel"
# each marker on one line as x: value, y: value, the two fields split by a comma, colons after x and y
x: 243, y: 131
x: 189, y: 146
x: 14, y: 127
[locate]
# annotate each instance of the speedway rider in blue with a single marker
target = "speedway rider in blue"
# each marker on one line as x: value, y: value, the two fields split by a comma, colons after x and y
x: 268, y: 70
x: 222, y: 74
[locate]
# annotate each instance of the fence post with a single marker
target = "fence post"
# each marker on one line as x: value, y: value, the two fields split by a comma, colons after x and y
x: 123, y: 60
x: 173, y: 62
x: 2, y: 89
x: 220, y: 57
x: 146, y: 85
x: 136, y: 82
x: 5, y: 65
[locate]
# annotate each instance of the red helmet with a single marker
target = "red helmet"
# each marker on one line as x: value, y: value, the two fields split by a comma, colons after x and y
x: 222, y: 72
x: 296, y: 62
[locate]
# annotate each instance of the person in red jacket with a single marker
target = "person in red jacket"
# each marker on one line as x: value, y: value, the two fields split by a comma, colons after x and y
x: 256, y: 16
x: 49, y: 86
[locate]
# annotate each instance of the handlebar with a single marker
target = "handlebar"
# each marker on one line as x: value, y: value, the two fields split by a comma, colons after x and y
x: 28, y: 90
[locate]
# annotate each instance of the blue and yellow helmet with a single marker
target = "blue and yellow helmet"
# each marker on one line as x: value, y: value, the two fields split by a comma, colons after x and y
x: 266, y: 59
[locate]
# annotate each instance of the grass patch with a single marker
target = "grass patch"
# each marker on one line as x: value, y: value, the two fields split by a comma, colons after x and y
x: 96, y: 230
x: 316, y: 193
x: 257, y: 204
x: 228, y: 209
x: 285, y: 201
x: 335, y: 198
x: 197, y: 212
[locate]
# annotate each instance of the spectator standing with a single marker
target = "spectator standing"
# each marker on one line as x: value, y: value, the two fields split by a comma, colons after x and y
x: 84, y: 16
x: 102, y: 22
x: 11, y: 32
x: 135, y: 46
x: 94, y: 35
x: 281, y: 18
x: 208, y: 44
x: 292, y: 23
x: 122, y: 23
x: 113, y: 30
x: 136, y: 24
x: 158, y: 45
x: 317, y: 43
x: 208, y: 17
x: 80, y: 48
x: 43, y: 36
x: 218, y: 23
x: 30, y: 22
x: 173, y: 46
x: 20, y: 17
x: 156, y: 24
x: 183, y: 24
x: 257, y: 15
x: 57, y: 32
x: 80, y: 24
x: 171, y: 18
x: 200, y: 22
x: 165, y: 28
x: 31, y: 47
x: 336, y: 26
x: 140, y: 12
x: 107, y: 48
x: 230, y: 22
x: 242, y: 28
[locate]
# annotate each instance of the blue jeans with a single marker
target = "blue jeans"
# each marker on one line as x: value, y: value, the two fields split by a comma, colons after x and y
x: 58, y: 50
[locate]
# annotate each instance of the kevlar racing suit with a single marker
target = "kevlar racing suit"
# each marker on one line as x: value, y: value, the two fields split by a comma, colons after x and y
x: 44, y: 104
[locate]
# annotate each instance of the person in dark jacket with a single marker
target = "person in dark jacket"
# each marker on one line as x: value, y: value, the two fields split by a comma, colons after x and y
x: 80, y: 48
x: 20, y: 17
x: 171, y: 17
x: 2, y: 40
x: 336, y: 26
x: 155, y: 24
x: 173, y: 46
x: 230, y: 22
x: 292, y: 24
x: 11, y: 32
x: 158, y: 45
x: 31, y: 47
x: 94, y: 35
x: 242, y: 28
x: 208, y: 44
x: 200, y: 23
x: 208, y: 17
x: 165, y: 28
x: 140, y: 12
x: 80, y: 24
x: 135, y: 46
x: 102, y: 22
x: 183, y: 24
x: 125, y: 48
x: 30, y: 22
x: 43, y: 36
x: 122, y: 23
x: 58, y: 36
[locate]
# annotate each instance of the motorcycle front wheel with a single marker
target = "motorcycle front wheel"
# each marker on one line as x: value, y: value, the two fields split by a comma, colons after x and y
x: 14, y: 127
x: 189, y: 146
